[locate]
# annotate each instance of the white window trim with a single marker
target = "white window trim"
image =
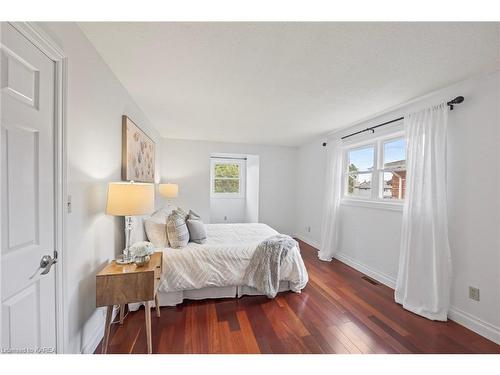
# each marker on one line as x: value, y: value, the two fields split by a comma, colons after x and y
x: 376, y: 201
x: 242, y: 179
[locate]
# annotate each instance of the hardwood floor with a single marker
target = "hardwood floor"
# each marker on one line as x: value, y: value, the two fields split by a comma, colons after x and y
x: 339, y: 311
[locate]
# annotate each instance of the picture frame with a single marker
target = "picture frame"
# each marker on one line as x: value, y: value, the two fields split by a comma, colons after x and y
x: 138, y: 153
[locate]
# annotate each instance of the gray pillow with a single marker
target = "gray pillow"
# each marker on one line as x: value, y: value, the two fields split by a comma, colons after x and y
x: 193, y: 215
x: 197, y: 231
x: 177, y: 231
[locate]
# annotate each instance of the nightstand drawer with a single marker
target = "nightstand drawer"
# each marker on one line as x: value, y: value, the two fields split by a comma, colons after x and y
x: 125, y: 288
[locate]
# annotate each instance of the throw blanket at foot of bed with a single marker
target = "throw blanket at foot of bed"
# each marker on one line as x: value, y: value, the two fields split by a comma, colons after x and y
x: 263, y: 272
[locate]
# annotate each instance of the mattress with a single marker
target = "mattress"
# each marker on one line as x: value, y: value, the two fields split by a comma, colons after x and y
x: 222, y: 260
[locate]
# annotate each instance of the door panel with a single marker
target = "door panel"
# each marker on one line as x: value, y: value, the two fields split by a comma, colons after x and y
x: 21, y: 80
x: 27, y: 194
x: 22, y: 181
x: 22, y: 325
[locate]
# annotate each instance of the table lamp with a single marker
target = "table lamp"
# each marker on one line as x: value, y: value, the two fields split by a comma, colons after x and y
x: 169, y: 191
x: 129, y: 199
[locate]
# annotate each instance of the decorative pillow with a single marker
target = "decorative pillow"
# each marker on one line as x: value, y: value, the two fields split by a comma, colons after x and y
x: 156, y: 230
x: 162, y: 214
x: 193, y: 215
x: 177, y: 231
x: 181, y: 212
x: 197, y: 231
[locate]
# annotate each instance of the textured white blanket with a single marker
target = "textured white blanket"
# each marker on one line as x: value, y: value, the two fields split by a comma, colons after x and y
x: 263, y: 271
x: 223, y: 259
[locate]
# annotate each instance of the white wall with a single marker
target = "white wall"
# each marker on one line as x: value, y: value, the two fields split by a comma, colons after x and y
x: 188, y: 164
x: 227, y: 210
x: 96, y: 102
x: 370, y: 237
x: 310, y: 185
x: 252, y: 192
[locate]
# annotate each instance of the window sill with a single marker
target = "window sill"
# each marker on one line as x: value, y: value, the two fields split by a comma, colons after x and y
x: 227, y: 196
x: 379, y: 205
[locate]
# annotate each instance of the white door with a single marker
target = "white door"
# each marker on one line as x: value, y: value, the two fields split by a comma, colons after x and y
x: 27, y: 196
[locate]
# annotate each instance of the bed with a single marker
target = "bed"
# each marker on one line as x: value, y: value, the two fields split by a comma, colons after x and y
x: 216, y: 268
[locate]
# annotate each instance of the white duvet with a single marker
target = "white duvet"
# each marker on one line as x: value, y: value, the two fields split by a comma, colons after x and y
x: 223, y: 258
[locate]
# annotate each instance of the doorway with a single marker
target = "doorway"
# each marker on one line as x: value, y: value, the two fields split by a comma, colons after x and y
x: 32, y: 190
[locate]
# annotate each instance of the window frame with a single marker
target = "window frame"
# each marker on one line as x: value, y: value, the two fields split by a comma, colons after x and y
x: 346, y: 172
x: 241, y: 178
x: 383, y: 169
x: 376, y: 199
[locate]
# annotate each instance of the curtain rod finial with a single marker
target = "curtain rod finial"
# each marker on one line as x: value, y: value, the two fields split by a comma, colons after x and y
x: 457, y: 100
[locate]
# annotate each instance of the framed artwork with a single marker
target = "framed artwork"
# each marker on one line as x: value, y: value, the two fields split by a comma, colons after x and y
x: 138, y: 153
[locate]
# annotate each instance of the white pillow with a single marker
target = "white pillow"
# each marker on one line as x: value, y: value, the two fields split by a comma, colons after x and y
x: 156, y: 230
x: 162, y: 214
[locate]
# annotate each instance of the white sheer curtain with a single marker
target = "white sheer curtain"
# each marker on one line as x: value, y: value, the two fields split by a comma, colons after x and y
x: 331, y: 205
x: 423, y: 283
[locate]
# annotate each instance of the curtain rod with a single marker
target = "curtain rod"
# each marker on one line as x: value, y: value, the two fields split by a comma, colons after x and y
x: 451, y: 104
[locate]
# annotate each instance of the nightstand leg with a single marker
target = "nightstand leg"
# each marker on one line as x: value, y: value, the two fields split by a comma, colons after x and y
x: 122, y: 313
x: 109, y: 315
x: 157, y: 306
x: 147, y: 307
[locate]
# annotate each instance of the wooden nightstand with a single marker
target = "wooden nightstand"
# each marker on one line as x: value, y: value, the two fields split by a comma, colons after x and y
x: 122, y: 284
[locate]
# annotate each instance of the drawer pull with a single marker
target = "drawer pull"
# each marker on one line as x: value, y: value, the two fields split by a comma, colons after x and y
x: 157, y: 278
x: 157, y: 266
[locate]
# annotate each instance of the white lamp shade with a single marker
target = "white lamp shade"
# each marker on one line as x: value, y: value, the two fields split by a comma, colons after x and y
x: 130, y: 199
x: 169, y: 190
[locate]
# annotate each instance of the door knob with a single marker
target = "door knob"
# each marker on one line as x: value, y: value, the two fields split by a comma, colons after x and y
x: 45, y: 265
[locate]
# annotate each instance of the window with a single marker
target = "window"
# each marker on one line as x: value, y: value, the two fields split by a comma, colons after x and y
x: 376, y: 170
x: 360, y: 171
x: 227, y: 178
x: 394, y: 169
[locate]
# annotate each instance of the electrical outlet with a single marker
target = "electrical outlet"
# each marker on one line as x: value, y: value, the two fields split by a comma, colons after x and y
x: 474, y: 293
x: 308, y: 229
x: 225, y: 218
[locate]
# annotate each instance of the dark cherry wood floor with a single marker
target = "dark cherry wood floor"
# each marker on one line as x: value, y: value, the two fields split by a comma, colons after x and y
x: 339, y: 311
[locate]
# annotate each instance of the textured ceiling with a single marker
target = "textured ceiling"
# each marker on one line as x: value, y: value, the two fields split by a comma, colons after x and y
x: 284, y: 83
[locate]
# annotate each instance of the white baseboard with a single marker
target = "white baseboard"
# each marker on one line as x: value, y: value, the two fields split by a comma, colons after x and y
x: 363, y: 268
x: 307, y: 240
x: 463, y: 318
x: 475, y: 324
x: 91, y: 345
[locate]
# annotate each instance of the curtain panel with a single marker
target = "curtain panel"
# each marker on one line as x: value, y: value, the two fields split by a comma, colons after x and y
x: 331, y: 203
x: 423, y: 282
